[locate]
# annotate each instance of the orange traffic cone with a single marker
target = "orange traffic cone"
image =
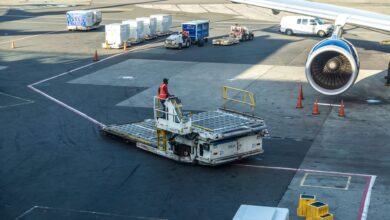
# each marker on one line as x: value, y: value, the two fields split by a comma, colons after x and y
x: 301, y: 93
x: 299, y: 102
x: 315, y: 109
x: 341, y: 111
x: 13, y: 45
x: 124, y: 46
x: 96, y: 56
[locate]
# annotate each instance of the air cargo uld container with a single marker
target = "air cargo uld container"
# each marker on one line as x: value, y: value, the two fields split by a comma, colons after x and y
x: 164, y: 23
x: 150, y: 26
x: 83, y: 19
x: 198, y: 30
x: 135, y: 30
x: 116, y: 35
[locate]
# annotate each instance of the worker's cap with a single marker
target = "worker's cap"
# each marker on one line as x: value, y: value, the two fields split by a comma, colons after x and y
x: 165, y: 80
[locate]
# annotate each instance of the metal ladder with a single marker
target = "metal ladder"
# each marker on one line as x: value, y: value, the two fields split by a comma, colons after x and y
x: 161, y: 139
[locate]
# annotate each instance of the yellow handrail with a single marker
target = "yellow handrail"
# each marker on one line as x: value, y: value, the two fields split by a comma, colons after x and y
x: 247, y: 94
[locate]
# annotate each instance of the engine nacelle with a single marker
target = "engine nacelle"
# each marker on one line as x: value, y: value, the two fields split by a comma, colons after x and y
x: 332, y: 66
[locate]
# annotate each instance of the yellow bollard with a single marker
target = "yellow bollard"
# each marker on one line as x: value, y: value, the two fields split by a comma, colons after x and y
x: 304, y: 201
x: 124, y: 46
x: 315, y: 210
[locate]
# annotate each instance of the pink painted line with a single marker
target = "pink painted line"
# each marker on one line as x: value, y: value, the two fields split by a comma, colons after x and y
x: 363, y: 200
x: 68, y: 107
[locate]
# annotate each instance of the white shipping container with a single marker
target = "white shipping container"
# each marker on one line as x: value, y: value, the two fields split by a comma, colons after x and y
x: 164, y: 22
x: 150, y: 25
x: 116, y: 34
x: 135, y: 30
x: 83, y: 18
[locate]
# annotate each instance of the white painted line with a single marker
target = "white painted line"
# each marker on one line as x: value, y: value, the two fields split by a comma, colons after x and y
x: 365, y: 201
x: 303, y: 170
x: 3, y: 67
x: 325, y: 187
x: 84, y: 212
x: 68, y: 107
x: 328, y: 104
x: 31, y: 86
x: 24, y: 101
x: 28, y: 37
x: 367, y: 198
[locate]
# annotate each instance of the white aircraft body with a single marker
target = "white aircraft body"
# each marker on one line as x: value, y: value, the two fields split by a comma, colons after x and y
x: 333, y: 64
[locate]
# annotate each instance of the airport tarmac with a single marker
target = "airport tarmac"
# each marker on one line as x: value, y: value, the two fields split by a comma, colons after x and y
x: 54, y: 162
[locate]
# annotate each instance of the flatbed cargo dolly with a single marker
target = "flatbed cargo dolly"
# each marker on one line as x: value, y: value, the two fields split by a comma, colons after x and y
x: 225, y: 41
x: 206, y: 138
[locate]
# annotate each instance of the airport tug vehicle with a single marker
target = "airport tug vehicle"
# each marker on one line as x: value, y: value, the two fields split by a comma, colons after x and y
x: 206, y: 138
x: 237, y: 34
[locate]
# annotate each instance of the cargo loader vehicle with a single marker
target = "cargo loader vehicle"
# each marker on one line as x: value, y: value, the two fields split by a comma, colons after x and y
x: 206, y: 138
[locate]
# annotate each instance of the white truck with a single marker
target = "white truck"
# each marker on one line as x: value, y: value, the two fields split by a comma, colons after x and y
x: 207, y: 138
x: 178, y: 40
x: 291, y: 25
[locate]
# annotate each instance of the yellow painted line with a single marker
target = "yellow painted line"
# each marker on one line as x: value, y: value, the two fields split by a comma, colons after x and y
x: 385, y: 42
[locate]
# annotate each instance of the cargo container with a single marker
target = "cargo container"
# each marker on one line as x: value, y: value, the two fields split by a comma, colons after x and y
x: 116, y: 35
x: 83, y: 19
x: 164, y: 23
x: 150, y: 27
x: 198, y: 31
x: 135, y: 30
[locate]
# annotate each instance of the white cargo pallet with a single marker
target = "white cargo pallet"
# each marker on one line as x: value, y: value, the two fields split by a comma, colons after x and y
x: 164, y: 33
x: 82, y: 28
x: 115, y: 46
x: 151, y: 37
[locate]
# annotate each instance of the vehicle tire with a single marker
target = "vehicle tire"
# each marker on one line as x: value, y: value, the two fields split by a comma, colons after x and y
x: 188, y: 43
x: 289, y: 32
x: 321, y: 34
x: 200, y: 43
x: 180, y: 46
x: 251, y: 37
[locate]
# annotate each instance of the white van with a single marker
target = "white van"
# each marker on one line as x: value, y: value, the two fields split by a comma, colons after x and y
x: 305, y: 25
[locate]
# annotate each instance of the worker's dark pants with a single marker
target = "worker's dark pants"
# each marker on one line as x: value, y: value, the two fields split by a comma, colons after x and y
x: 163, y: 115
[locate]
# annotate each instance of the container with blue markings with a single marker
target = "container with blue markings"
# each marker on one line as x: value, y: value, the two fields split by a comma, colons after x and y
x: 83, y: 19
x: 198, y: 30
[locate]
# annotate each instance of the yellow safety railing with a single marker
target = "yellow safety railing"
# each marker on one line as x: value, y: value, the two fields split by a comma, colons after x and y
x: 248, y: 97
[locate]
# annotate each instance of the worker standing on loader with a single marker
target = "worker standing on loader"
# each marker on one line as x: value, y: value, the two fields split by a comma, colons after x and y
x: 163, y: 94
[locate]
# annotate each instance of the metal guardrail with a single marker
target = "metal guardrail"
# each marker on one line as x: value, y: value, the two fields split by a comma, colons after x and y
x: 248, y: 97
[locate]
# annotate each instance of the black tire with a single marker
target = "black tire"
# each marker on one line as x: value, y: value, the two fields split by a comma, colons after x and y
x: 251, y: 37
x: 321, y: 34
x: 188, y: 43
x: 200, y: 43
x: 289, y: 32
x: 180, y: 46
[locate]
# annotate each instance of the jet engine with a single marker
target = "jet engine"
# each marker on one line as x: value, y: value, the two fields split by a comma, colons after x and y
x: 332, y: 66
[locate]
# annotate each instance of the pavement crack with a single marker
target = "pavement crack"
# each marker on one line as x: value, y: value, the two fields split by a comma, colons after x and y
x: 131, y: 173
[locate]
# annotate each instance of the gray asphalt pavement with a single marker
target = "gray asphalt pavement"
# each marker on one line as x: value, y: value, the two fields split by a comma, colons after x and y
x: 55, y: 163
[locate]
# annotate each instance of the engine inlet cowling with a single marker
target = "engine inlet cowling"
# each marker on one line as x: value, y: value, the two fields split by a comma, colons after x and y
x: 332, y: 66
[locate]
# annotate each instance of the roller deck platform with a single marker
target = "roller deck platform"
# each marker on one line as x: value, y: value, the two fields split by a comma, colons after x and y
x: 214, y: 125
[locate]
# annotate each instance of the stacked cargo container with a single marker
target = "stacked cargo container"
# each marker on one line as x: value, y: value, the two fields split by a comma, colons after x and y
x: 137, y: 30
